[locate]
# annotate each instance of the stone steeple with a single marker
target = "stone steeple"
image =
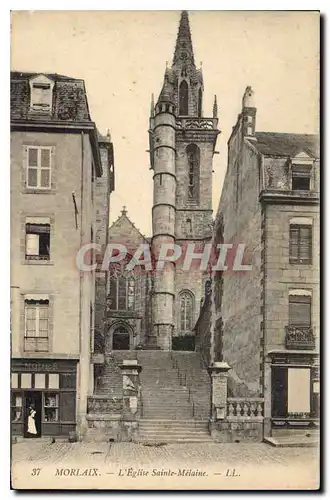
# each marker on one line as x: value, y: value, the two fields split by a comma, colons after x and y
x: 183, y: 49
x: 183, y: 82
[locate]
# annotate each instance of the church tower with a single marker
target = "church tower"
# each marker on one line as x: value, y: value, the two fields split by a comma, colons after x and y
x: 182, y: 144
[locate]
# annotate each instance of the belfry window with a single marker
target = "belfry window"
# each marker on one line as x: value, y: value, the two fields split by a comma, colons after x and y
x: 193, y: 155
x: 183, y: 98
x: 200, y: 100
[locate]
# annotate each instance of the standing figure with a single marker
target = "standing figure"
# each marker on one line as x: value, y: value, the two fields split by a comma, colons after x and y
x: 31, y: 421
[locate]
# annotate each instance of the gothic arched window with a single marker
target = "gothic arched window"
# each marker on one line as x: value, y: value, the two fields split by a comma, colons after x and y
x: 183, y: 98
x: 200, y: 101
x: 122, y: 293
x: 122, y: 288
x: 186, y: 311
x: 193, y: 155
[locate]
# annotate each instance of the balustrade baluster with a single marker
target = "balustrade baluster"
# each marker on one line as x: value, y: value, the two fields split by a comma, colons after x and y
x: 246, y: 409
x: 259, y: 410
x: 231, y: 410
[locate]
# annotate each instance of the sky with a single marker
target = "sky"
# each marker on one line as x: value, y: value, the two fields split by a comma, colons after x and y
x: 122, y: 56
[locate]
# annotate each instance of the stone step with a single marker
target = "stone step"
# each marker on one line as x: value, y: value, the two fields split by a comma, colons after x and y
x: 168, y: 439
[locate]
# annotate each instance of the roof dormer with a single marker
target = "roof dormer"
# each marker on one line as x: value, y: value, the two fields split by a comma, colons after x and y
x: 41, y: 93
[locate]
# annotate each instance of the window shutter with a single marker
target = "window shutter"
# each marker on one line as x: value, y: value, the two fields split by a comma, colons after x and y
x: 300, y: 310
x: 67, y: 407
x: 32, y: 244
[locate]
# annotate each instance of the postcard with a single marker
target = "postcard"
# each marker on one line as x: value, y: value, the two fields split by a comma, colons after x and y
x: 165, y: 241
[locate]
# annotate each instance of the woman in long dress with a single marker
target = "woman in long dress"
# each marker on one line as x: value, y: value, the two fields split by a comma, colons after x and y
x: 31, y: 421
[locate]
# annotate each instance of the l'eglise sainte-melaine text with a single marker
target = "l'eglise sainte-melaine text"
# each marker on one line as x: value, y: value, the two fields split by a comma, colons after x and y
x: 130, y: 472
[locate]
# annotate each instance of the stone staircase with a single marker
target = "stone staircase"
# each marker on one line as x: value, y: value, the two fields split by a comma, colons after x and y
x: 175, y: 391
x: 111, y: 382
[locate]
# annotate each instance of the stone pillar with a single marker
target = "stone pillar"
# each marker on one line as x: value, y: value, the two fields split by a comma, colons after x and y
x: 267, y: 390
x: 131, y: 399
x: 219, y: 374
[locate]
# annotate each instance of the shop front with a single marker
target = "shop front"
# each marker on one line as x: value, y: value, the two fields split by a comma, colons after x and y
x: 43, y: 397
x: 295, y: 390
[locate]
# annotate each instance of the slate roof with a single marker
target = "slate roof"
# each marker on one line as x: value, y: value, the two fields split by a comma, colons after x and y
x: 69, y: 98
x: 288, y: 145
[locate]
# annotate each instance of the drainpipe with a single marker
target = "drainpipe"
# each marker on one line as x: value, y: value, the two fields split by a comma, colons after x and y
x: 81, y: 287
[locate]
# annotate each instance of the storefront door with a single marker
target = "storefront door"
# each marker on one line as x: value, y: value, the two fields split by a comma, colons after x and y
x: 32, y: 414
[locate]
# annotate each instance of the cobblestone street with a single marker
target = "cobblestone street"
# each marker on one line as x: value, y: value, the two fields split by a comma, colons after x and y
x: 122, y: 465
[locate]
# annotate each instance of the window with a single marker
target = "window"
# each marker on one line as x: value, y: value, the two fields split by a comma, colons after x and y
x: 301, y: 177
x: 51, y: 407
x: 183, y: 98
x: 186, y: 312
x: 38, y: 167
x: 41, y: 89
x: 300, y: 310
x: 300, y: 183
x: 16, y: 407
x: 122, y: 293
x: 300, y: 244
x: 36, y: 338
x: 200, y: 101
x: 193, y: 155
x: 37, y: 240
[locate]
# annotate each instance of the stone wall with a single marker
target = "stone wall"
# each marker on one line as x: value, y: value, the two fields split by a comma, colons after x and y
x: 241, y: 292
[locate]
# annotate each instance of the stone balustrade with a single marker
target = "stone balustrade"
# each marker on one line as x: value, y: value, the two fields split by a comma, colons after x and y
x: 197, y: 123
x: 104, y: 404
x: 245, y: 408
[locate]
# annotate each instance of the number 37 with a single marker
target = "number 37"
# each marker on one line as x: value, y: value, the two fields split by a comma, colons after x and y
x: 35, y: 472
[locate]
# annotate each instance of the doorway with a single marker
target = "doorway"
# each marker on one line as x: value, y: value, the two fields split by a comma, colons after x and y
x: 121, y: 340
x: 32, y: 414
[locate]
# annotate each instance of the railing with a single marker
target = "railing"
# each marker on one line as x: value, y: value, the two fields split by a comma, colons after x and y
x: 197, y: 123
x: 243, y: 408
x: 299, y: 337
x: 104, y: 404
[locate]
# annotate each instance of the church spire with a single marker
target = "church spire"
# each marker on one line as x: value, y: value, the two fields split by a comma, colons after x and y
x: 183, y: 48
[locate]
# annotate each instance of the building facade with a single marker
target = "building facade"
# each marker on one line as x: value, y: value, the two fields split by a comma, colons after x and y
x: 264, y: 322
x: 55, y: 164
x: 182, y: 145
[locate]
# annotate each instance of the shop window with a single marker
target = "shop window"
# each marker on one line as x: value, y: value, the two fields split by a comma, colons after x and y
x: 16, y: 407
x: 51, y: 406
x: 300, y: 244
x: 38, y: 167
x: 36, y: 338
x: 37, y: 241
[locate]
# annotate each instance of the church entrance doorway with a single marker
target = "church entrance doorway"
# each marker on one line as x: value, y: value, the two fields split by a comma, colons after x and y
x: 121, y: 339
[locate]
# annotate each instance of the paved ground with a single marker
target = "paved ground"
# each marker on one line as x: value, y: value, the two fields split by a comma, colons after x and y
x: 134, y: 466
